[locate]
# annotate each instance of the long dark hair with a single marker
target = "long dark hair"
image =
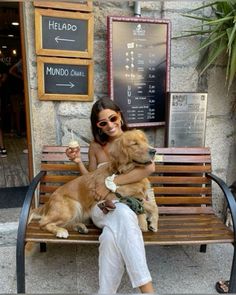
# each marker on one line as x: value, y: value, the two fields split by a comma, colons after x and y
x: 102, y: 104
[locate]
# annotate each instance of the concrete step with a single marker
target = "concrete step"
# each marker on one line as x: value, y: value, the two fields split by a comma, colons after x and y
x: 8, y: 226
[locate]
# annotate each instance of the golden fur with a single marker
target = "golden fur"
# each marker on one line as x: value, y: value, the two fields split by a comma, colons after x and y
x: 70, y: 205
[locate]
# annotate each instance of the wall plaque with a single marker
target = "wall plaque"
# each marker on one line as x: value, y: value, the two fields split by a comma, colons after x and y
x: 64, y: 33
x: 65, y: 79
x: 69, y: 5
x: 139, y: 68
x: 186, y: 119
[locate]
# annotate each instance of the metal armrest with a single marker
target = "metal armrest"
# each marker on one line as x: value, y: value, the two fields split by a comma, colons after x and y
x: 229, y: 198
x: 20, y: 246
x: 27, y: 204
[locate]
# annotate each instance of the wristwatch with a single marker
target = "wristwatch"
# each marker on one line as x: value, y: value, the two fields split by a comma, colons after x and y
x: 109, y: 183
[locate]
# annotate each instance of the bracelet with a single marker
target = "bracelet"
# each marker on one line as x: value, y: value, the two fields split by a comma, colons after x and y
x: 109, y: 183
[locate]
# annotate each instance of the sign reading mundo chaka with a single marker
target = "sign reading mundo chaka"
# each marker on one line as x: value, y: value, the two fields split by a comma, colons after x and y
x: 65, y: 79
x: 64, y: 34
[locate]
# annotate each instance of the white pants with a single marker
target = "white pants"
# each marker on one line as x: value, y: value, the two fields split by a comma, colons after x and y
x: 121, y: 245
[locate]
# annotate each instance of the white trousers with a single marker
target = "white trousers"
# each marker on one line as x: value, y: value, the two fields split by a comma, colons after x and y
x: 121, y: 246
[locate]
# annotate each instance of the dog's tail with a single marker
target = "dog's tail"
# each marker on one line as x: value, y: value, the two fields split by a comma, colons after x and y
x: 31, y: 247
x: 35, y: 213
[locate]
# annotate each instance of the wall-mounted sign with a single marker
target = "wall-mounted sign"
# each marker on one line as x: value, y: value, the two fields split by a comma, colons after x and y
x: 186, y: 119
x: 65, y: 79
x: 69, y: 5
x: 139, y: 68
x: 64, y: 33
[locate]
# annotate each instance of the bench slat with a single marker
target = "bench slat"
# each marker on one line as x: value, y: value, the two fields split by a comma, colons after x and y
x: 59, y: 167
x: 183, y: 200
x: 185, y: 210
x: 184, y: 150
x: 61, y: 149
x: 178, y: 180
x: 58, y: 178
x: 159, y: 168
x: 182, y: 190
x: 173, y: 229
x: 183, y: 158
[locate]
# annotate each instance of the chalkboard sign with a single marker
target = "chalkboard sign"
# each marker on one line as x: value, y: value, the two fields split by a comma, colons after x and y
x: 69, y: 5
x: 65, y: 79
x: 64, y: 33
x: 186, y: 119
x: 139, y: 68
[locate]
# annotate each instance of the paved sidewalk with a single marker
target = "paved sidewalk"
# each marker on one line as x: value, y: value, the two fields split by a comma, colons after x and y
x: 74, y: 269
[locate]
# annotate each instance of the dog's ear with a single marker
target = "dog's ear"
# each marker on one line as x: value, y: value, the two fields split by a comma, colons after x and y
x: 118, y: 155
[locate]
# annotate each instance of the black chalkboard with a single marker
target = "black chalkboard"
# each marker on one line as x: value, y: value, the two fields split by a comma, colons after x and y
x: 139, y: 68
x: 66, y: 79
x: 64, y: 33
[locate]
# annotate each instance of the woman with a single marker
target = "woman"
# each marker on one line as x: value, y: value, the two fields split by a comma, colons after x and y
x: 121, y: 241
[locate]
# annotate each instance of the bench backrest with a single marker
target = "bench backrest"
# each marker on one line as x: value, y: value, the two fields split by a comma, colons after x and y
x: 180, y: 183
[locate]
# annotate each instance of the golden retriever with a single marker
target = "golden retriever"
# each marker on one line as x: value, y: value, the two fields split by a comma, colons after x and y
x: 70, y: 205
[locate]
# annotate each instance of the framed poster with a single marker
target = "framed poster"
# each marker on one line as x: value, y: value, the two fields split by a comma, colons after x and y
x: 186, y: 119
x: 65, y: 79
x: 139, y: 61
x: 79, y: 5
x: 63, y: 33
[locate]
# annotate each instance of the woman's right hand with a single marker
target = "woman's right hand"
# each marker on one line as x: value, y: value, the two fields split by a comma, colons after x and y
x: 74, y: 154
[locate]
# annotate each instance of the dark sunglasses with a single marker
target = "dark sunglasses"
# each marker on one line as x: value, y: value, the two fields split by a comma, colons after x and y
x: 112, y: 119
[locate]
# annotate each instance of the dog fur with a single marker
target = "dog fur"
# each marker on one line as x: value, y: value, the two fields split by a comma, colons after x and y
x: 70, y: 205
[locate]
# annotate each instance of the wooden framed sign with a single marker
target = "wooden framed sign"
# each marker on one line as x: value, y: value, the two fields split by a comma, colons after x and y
x: 64, y: 33
x: 139, y: 60
x: 186, y: 119
x: 69, y: 5
x: 65, y: 79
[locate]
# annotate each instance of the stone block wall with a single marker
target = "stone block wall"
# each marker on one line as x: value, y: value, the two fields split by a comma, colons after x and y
x: 52, y: 121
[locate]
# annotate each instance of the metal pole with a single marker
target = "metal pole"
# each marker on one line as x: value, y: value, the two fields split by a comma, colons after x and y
x: 137, y: 9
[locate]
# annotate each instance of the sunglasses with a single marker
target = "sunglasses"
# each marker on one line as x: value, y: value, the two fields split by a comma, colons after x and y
x: 104, y: 123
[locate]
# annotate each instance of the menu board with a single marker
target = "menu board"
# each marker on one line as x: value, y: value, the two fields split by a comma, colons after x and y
x: 186, y: 119
x: 139, y: 68
x: 64, y: 34
x: 65, y: 79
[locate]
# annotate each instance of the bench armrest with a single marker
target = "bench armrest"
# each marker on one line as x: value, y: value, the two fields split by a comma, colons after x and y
x: 229, y: 198
x: 23, y: 219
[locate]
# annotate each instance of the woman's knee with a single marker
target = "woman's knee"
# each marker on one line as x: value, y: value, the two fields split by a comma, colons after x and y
x: 124, y: 213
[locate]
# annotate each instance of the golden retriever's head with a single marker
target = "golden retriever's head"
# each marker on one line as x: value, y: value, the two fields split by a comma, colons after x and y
x: 129, y: 150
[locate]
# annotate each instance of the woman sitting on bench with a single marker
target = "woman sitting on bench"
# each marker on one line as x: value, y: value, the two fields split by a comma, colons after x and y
x: 121, y: 241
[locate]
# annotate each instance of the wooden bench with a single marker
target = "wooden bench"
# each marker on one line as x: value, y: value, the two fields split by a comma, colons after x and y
x: 183, y: 189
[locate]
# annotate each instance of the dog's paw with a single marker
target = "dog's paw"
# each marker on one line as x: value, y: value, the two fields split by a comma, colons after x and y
x: 62, y: 233
x: 153, y: 228
x: 82, y: 229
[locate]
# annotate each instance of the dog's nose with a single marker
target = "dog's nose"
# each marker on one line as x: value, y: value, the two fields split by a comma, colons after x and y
x: 152, y: 152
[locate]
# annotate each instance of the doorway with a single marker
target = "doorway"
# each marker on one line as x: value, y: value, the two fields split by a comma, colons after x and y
x: 14, y: 170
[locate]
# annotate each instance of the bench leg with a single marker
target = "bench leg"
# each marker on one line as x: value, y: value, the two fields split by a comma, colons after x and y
x: 43, y: 247
x: 20, y: 266
x: 203, y: 248
x: 232, y: 284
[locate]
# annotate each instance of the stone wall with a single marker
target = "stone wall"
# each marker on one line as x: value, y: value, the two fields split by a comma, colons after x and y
x: 51, y: 122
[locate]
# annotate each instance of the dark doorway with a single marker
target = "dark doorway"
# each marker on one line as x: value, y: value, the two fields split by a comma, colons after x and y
x: 13, y: 164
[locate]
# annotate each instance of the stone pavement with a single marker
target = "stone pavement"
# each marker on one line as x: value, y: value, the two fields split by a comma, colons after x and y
x: 73, y: 269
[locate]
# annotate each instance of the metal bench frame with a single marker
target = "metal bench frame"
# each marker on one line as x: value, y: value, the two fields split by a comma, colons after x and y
x: 172, y: 167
